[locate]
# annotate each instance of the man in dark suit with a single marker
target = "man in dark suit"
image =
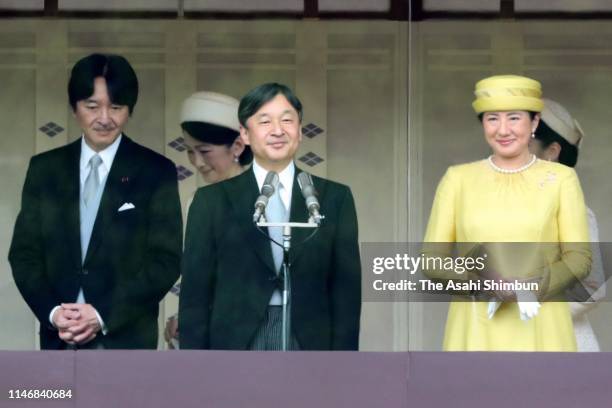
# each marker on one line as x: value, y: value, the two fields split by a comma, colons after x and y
x: 97, y: 242
x: 230, y: 286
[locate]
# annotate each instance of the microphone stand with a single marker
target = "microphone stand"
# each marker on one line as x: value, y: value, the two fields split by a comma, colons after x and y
x: 286, y: 271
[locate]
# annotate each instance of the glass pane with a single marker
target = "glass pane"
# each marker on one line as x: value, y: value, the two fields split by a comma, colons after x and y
x: 29, y: 5
x: 355, y: 5
x: 461, y: 5
x: 562, y: 5
x: 245, y: 6
x: 118, y: 5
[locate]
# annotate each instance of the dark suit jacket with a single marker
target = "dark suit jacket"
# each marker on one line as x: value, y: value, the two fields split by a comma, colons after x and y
x: 133, y: 256
x: 228, y: 271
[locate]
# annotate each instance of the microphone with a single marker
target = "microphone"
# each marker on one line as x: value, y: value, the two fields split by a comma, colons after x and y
x: 267, y: 189
x: 309, y: 193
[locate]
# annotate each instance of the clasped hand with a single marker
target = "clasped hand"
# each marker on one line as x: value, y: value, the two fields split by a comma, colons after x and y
x: 76, y: 323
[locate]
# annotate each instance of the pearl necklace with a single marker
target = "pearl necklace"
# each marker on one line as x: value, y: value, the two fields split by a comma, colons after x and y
x: 511, y: 171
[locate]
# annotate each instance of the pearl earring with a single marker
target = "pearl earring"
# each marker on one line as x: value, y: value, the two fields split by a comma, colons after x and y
x: 235, y: 159
x: 533, y: 135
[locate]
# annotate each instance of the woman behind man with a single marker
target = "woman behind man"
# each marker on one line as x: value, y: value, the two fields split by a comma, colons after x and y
x: 512, y: 197
x: 211, y: 131
x: 557, y: 139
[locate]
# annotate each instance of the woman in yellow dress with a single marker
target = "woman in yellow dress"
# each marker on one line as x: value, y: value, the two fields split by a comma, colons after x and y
x: 513, y: 197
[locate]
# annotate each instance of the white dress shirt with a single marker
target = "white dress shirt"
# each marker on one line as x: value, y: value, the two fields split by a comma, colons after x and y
x: 285, y: 184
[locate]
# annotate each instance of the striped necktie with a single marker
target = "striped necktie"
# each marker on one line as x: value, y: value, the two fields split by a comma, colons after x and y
x: 92, y: 182
x: 276, y: 212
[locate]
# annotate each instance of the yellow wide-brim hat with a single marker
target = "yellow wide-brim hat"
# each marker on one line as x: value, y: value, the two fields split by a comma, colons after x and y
x: 561, y: 121
x: 508, y: 92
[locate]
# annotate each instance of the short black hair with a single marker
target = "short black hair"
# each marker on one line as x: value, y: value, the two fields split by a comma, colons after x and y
x: 547, y: 136
x: 259, y: 96
x: 217, y: 135
x: 120, y: 79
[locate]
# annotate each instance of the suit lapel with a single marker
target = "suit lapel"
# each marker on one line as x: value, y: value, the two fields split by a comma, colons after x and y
x: 117, y: 183
x: 71, y: 195
x: 299, y: 213
x: 242, y: 194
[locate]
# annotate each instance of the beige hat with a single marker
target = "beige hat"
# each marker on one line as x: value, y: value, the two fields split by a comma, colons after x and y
x: 559, y: 119
x: 507, y: 92
x: 213, y: 108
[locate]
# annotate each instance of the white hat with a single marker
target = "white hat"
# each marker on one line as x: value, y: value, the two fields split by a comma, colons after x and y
x: 213, y: 108
x: 559, y: 119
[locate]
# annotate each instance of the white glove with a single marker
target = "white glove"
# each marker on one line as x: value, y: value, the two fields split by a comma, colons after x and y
x: 528, y: 305
x: 493, y: 306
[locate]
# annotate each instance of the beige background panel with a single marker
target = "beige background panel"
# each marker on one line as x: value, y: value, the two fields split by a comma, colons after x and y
x: 311, y: 86
x: 17, y: 144
x: 360, y: 145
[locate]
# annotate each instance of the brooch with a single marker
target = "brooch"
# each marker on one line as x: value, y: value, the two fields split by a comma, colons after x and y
x: 550, y: 177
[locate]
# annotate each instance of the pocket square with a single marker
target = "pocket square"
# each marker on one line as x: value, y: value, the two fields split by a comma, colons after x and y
x: 126, y: 206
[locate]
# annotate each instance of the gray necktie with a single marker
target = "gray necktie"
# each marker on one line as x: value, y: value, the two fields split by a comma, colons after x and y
x: 92, y: 182
x: 276, y: 212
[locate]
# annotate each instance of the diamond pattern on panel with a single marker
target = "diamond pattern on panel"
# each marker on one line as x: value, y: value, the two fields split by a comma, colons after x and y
x: 311, y: 159
x: 51, y: 129
x: 311, y: 130
x: 183, y: 172
x: 178, y: 144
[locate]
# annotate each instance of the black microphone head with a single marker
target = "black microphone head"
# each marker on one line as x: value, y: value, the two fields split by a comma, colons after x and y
x: 270, y: 184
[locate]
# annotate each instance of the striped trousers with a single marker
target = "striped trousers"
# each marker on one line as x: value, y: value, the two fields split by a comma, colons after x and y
x: 269, y: 335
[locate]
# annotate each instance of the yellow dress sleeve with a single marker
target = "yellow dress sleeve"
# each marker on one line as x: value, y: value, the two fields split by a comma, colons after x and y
x: 442, y: 223
x: 572, y: 218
